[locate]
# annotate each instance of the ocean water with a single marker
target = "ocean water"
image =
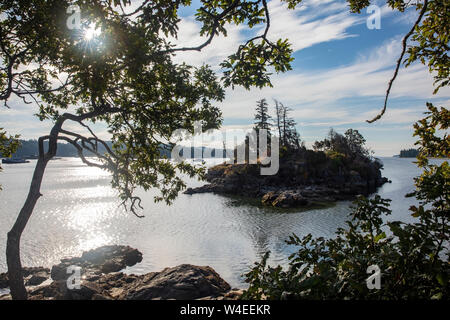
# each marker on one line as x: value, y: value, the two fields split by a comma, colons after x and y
x: 80, y: 211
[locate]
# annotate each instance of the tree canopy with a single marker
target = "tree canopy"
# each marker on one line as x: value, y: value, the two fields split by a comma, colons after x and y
x: 8, y: 145
x: 351, y: 144
x: 125, y: 77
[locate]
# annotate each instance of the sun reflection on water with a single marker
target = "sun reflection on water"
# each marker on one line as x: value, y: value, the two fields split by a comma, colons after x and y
x: 95, y: 210
x: 93, y: 240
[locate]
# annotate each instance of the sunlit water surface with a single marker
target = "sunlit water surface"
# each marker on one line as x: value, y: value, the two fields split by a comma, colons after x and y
x: 80, y: 211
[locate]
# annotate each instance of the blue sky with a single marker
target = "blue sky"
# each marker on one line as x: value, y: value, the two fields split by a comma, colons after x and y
x: 339, y: 77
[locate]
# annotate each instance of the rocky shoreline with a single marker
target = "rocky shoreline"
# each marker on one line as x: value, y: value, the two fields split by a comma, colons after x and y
x: 299, y: 182
x: 102, y: 279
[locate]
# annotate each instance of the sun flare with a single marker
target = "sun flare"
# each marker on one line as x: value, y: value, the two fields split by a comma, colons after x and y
x: 91, y: 32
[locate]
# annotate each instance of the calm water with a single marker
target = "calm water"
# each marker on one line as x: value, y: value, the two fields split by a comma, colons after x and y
x: 80, y: 211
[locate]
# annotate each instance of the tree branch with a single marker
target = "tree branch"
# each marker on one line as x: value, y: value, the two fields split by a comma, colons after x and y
x: 216, y: 24
x: 399, y: 61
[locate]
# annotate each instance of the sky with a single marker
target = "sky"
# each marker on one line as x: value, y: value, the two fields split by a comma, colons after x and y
x: 339, y: 77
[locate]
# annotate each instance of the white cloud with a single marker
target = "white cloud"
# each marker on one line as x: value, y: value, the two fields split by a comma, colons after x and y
x: 311, y: 23
x: 213, y: 54
x: 316, y: 95
x: 315, y: 22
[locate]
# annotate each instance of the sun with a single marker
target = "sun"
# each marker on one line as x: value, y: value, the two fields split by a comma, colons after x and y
x: 91, y: 32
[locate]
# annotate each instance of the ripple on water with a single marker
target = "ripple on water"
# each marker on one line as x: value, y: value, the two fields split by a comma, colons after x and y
x: 80, y: 211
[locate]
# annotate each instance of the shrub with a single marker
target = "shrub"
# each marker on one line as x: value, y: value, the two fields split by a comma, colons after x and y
x: 413, y: 257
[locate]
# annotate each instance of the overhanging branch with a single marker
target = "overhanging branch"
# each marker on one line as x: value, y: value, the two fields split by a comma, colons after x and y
x: 399, y: 61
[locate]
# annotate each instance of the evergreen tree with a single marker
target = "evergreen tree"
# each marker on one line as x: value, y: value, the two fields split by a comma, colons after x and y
x: 262, y: 117
x: 262, y: 121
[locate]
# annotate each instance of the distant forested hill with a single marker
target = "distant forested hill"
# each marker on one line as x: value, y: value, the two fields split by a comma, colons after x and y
x: 409, y: 153
x: 29, y: 148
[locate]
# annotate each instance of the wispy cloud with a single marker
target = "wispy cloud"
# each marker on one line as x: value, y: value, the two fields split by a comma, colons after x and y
x: 213, y: 54
x: 318, y: 94
x: 312, y: 23
x: 315, y: 22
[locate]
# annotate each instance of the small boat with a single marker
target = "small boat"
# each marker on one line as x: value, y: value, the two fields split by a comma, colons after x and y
x: 14, y: 160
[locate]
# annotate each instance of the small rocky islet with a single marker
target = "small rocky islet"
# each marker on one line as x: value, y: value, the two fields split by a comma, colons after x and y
x: 304, y: 178
x: 102, y: 279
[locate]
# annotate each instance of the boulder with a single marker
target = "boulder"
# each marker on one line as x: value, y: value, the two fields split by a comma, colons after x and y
x: 284, y: 199
x: 185, y: 281
x: 58, y: 290
x: 101, y: 281
x: 289, y: 199
x: 88, y: 291
x: 104, y: 259
x: 37, y: 279
x: 269, y: 197
x: 33, y: 276
x: 182, y: 282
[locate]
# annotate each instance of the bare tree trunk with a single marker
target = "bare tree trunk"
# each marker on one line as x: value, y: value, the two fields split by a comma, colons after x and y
x: 15, y: 277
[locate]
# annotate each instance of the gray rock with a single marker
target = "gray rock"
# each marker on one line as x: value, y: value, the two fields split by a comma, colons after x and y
x: 181, y: 282
x: 284, y: 199
x: 104, y: 259
x: 33, y: 276
x: 99, y: 283
x: 37, y: 279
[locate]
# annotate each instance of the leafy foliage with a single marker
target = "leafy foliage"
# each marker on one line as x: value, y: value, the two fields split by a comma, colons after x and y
x: 430, y: 38
x: 351, y: 144
x: 126, y: 78
x: 431, y: 41
x: 8, y: 145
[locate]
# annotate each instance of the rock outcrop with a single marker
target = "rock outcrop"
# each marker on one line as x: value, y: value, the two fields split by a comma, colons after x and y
x: 285, y: 199
x: 182, y: 282
x: 32, y: 276
x: 186, y: 282
x: 104, y: 259
x: 302, y: 179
